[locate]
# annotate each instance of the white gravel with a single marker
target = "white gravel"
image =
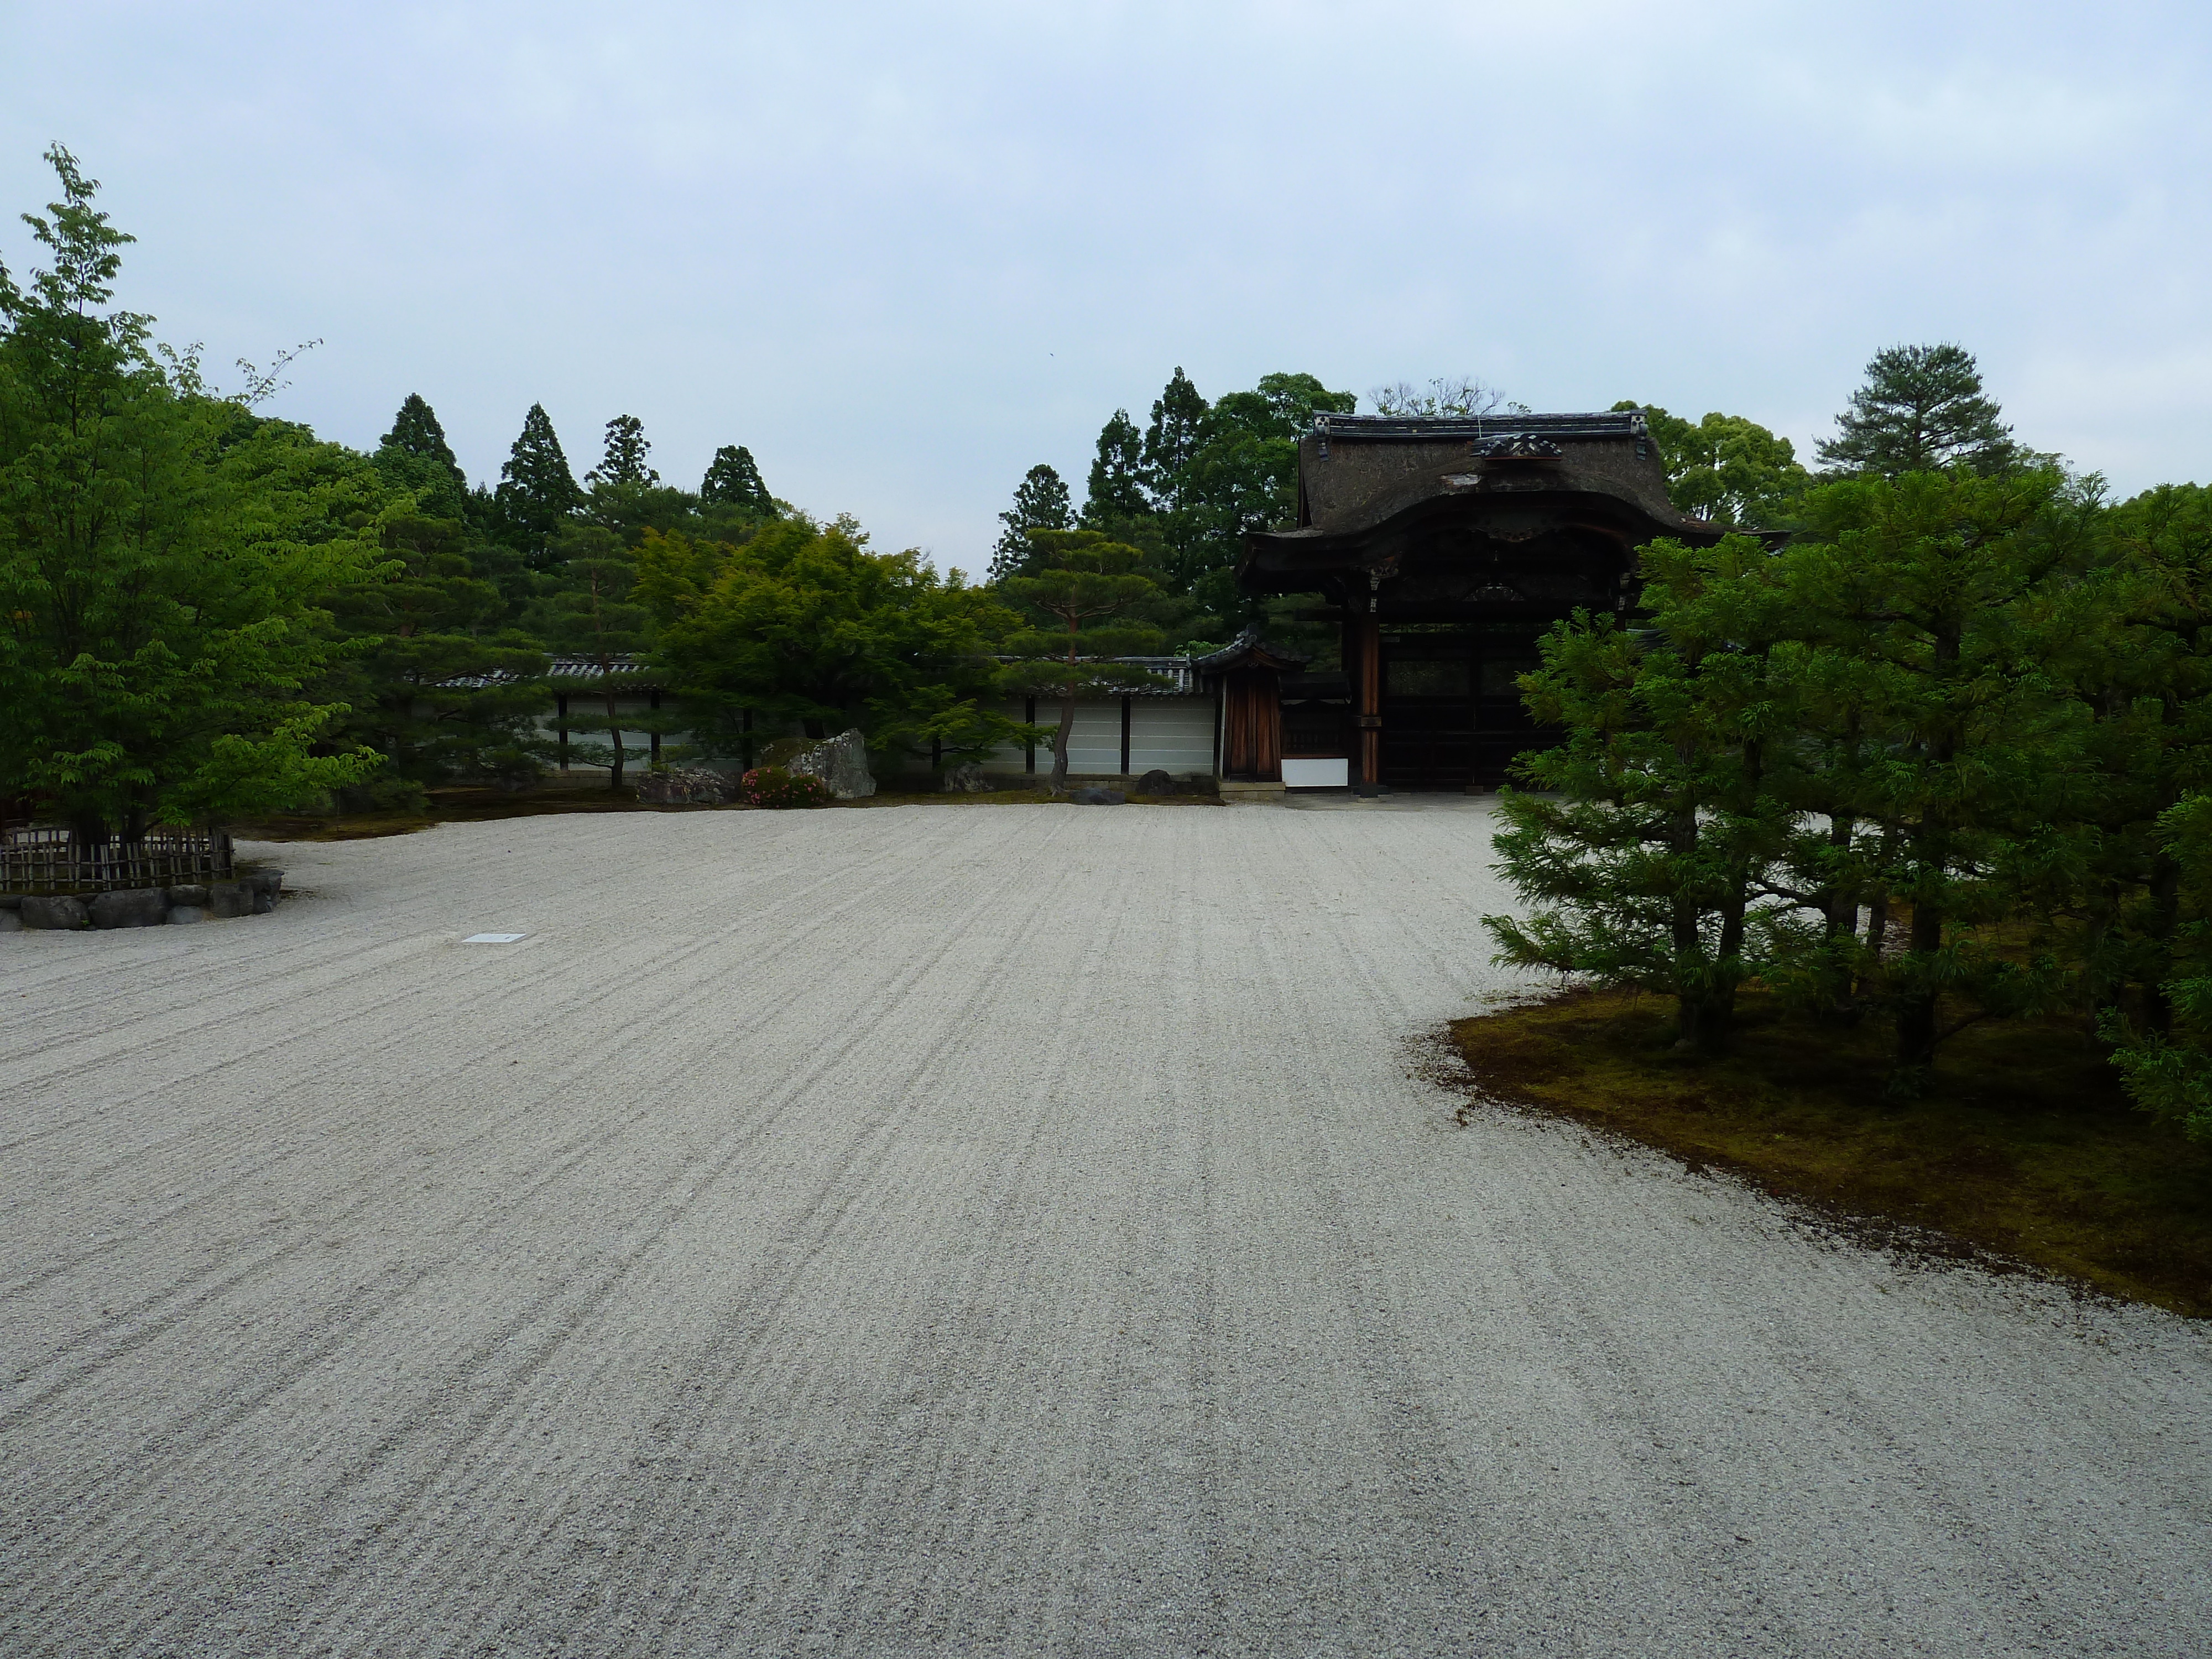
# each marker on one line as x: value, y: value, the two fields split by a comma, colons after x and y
x: 974, y: 1229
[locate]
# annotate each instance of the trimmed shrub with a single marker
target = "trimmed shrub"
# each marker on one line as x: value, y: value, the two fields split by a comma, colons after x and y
x: 771, y: 786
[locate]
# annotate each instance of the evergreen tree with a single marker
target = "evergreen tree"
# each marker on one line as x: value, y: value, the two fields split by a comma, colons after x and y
x: 589, y: 609
x: 623, y: 464
x: 733, y: 480
x: 1171, y: 444
x: 1923, y: 587
x: 1040, y: 503
x: 415, y: 456
x: 1116, y: 498
x: 537, y: 491
x: 1648, y: 851
x: 1082, y: 591
x: 1921, y: 410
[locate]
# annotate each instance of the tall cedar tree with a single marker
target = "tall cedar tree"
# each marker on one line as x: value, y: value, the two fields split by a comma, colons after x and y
x: 1115, y: 497
x: 1171, y: 446
x: 1040, y: 503
x: 1646, y: 854
x: 1922, y: 410
x: 163, y: 559
x: 1082, y: 589
x: 623, y: 463
x: 803, y: 624
x: 537, y: 492
x: 733, y: 480
x: 416, y: 457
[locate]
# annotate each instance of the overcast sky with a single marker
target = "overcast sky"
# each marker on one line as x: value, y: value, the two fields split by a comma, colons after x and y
x: 906, y: 252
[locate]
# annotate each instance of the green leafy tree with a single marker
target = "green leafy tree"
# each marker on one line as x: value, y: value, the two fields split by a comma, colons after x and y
x: 1041, y: 503
x: 538, y: 493
x: 1084, y: 592
x: 1726, y: 468
x: 1647, y: 853
x: 733, y: 480
x: 163, y: 558
x: 803, y: 624
x: 1922, y: 410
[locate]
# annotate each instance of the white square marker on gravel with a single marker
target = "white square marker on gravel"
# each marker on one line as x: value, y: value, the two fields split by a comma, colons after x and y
x: 493, y: 939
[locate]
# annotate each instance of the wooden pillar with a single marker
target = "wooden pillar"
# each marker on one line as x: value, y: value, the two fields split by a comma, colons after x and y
x: 653, y: 736
x: 1126, y: 704
x: 561, y: 724
x: 1369, y: 703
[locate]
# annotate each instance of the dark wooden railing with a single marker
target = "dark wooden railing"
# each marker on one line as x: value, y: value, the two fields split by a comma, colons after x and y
x: 43, y: 859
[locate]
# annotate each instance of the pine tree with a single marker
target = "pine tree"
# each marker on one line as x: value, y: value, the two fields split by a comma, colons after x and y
x: 415, y: 456
x: 1117, y: 490
x: 1081, y: 587
x: 1922, y: 410
x: 537, y: 491
x: 623, y: 464
x: 1040, y: 503
x: 1924, y: 589
x: 733, y: 480
x: 1647, y: 851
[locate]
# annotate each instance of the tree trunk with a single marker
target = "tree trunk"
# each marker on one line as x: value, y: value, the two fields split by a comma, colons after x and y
x: 1916, y: 1014
x: 614, y: 732
x: 1059, y: 780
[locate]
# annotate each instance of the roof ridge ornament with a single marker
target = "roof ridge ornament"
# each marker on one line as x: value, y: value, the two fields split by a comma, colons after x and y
x: 1516, y: 447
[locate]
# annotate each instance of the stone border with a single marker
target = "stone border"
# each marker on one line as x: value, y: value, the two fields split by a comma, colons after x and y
x: 254, y: 893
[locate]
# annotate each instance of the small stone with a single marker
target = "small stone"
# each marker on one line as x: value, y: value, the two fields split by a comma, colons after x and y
x: 966, y: 779
x: 58, y: 912
x: 191, y: 892
x: 227, y: 899
x: 182, y: 915
x: 1096, y: 797
x: 698, y: 786
x: 137, y: 907
x: 1156, y: 782
x: 271, y: 882
x: 11, y: 921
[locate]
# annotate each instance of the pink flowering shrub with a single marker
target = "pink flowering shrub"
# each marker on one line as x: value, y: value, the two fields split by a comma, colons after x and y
x: 771, y: 786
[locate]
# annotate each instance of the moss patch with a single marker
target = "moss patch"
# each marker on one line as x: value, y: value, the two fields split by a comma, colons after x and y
x: 2024, y: 1146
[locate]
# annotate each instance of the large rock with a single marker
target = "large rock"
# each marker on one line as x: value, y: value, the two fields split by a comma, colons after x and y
x: 191, y: 892
x: 1156, y: 782
x: 1096, y: 797
x: 271, y: 882
x: 699, y: 786
x: 966, y: 779
x: 227, y: 899
x: 182, y: 915
x: 841, y: 763
x: 137, y: 907
x: 57, y: 911
x: 11, y: 921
